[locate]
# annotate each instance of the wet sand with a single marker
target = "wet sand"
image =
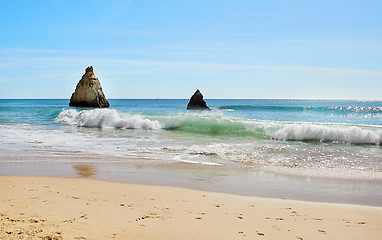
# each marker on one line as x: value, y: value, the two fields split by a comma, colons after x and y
x: 233, y: 181
x: 70, y: 208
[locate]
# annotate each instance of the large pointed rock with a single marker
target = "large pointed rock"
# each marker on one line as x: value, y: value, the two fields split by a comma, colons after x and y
x: 89, y: 92
x: 197, y: 102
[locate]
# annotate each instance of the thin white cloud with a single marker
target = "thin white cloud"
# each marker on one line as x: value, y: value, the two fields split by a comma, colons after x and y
x: 16, y: 58
x: 113, y: 11
x: 17, y: 62
x: 218, y: 66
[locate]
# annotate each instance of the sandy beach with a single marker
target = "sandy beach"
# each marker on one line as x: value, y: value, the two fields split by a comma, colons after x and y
x: 190, y: 120
x: 79, y: 208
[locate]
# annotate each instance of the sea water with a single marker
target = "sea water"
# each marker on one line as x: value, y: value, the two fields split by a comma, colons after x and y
x: 297, y: 139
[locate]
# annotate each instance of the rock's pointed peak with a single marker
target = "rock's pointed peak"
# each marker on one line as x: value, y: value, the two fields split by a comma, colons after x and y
x: 89, y: 71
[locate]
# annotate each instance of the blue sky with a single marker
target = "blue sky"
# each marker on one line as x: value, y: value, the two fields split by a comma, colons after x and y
x: 168, y: 49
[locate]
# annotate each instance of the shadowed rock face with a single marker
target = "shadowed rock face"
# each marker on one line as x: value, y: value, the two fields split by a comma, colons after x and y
x: 197, y: 102
x: 89, y: 92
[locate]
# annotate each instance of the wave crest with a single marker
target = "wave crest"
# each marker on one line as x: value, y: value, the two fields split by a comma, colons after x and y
x: 306, y: 132
x: 105, y: 118
x: 216, y: 125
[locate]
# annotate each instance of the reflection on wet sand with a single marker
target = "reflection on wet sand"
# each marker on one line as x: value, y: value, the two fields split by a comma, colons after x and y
x: 85, y: 170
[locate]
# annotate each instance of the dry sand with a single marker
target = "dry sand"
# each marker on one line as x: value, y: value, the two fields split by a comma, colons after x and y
x: 59, y: 208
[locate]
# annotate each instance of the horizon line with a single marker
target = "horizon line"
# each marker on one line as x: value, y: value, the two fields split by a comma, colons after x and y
x: 308, y: 99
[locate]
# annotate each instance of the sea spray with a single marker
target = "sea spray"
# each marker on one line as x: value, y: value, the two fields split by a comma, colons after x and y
x: 105, y: 118
x: 331, y: 133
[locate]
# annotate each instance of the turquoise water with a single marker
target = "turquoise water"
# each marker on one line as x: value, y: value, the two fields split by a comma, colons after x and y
x: 320, y: 111
x: 309, y: 138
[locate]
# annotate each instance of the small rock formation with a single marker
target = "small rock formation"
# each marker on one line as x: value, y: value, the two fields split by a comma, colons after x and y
x: 197, y: 102
x: 89, y: 92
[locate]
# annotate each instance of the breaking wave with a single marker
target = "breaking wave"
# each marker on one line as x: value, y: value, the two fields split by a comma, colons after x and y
x: 216, y: 125
x: 105, y: 118
x: 333, y: 133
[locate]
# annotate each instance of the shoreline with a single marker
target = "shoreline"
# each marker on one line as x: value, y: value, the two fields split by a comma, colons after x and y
x: 255, y: 183
x: 81, y: 208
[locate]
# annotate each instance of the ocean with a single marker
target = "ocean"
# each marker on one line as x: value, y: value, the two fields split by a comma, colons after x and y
x: 320, y: 150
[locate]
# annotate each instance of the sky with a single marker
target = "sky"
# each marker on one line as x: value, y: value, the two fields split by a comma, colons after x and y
x: 169, y: 48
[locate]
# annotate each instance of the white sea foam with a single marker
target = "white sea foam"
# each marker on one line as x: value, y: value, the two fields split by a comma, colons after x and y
x: 311, y: 160
x: 105, y: 118
x: 324, y: 133
x: 219, y: 125
x: 326, y: 173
